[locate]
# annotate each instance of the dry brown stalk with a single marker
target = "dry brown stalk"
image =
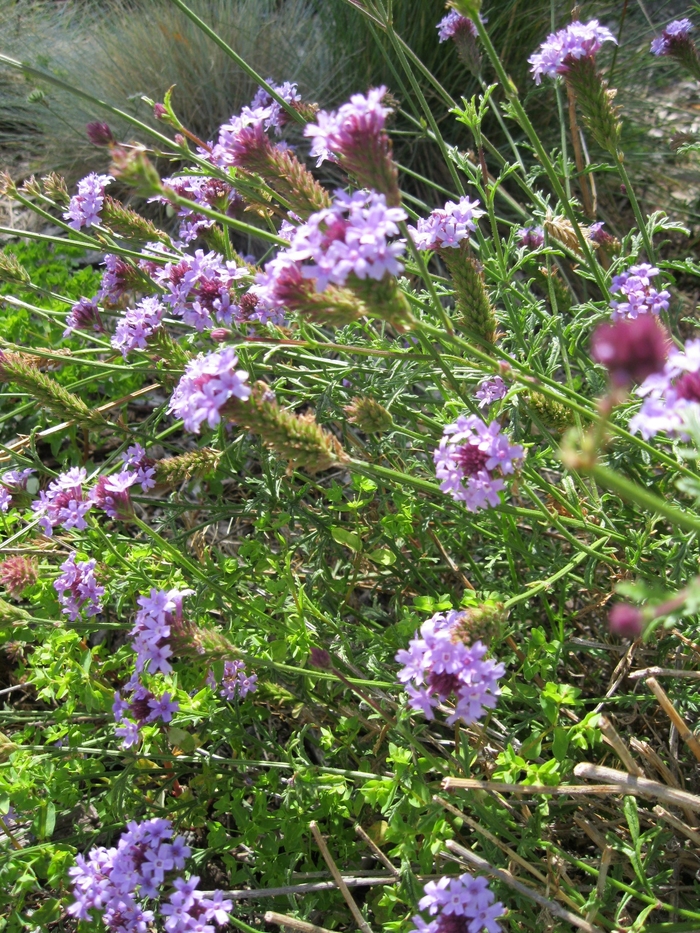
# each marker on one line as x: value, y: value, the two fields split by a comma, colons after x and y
x: 375, y: 848
x: 283, y: 920
x: 338, y: 878
x: 616, y: 741
x: 662, y: 672
x: 309, y: 887
x: 518, y: 859
x: 605, y: 860
x: 635, y: 786
x: 556, y: 791
x: 667, y: 706
x: 678, y: 824
x: 506, y: 877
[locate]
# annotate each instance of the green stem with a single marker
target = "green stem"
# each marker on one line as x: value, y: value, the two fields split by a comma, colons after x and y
x: 631, y: 492
x: 648, y: 245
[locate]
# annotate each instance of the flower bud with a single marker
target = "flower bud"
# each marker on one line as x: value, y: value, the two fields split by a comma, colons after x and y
x: 631, y: 349
x: 626, y: 621
x: 100, y: 134
x: 319, y: 657
x: 369, y: 416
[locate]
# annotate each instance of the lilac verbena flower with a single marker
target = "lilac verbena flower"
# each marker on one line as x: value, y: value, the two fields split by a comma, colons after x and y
x: 438, y: 664
x: 144, y: 865
x: 209, y: 192
x: 17, y: 479
x: 276, y: 116
x: 453, y: 25
x: 350, y: 238
x: 352, y: 127
x: 631, y: 349
x: 531, y: 237
x: 670, y: 397
x: 143, y: 707
x: 84, y: 315
x: 492, y: 389
x: 144, y: 467
x: 235, y: 682
x: 641, y: 297
x: 5, y: 499
x: 577, y: 40
x: 111, y: 494
x: 675, y: 34
x: 117, y: 278
x: 447, y: 226
x: 160, y: 613
x: 471, y: 460
x: 84, y: 207
x: 137, y: 325
x: 199, y: 288
x: 459, y: 904
x: 209, y: 382
x: 77, y: 588
x: 64, y: 502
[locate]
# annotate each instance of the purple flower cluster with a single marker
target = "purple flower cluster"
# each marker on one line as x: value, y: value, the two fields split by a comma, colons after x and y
x: 144, y: 707
x: 468, y: 457
x: 675, y: 33
x: 111, y: 494
x: 117, y: 278
x: 670, y: 396
x: 198, y: 288
x: 438, y: 665
x: 160, y: 612
x: 275, y: 116
x: 137, y: 325
x: 492, y: 389
x: 531, y: 237
x: 459, y: 904
x: 454, y: 24
x: 640, y: 295
x: 208, y: 192
x: 353, y: 126
x: 78, y: 590
x: 16, y: 480
x: 447, y: 226
x: 64, y: 502
x: 245, y: 132
x: 84, y: 315
x: 116, y: 881
x: 352, y: 237
x: 630, y: 350
x: 144, y: 467
x: 84, y: 207
x: 208, y: 383
x: 577, y: 40
x: 235, y: 682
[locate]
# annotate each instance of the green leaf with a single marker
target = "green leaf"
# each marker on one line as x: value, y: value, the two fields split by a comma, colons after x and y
x: 383, y: 556
x: 346, y: 538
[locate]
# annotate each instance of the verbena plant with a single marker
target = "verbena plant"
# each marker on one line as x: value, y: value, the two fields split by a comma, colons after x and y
x: 315, y: 518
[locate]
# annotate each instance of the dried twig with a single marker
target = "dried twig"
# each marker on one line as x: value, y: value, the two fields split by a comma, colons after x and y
x: 557, y: 790
x: 621, y: 750
x: 377, y: 851
x: 678, y: 824
x: 663, y: 672
x: 667, y: 706
x: 349, y: 900
x: 309, y: 887
x: 283, y: 920
x: 636, y: 786
x: 507, y: 878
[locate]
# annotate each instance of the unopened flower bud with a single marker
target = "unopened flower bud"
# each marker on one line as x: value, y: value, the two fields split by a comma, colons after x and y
x: 133, y: 167
x: 100, y: 134
x: 626, y: 621
x: 319, y: 657
x: 219, y: 334
x: 369, y: 416
x: 159, y: 111
x: 631, y: 349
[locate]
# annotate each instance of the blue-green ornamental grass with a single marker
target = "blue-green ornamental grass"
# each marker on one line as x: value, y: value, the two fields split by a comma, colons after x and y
x: 326, y: 507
